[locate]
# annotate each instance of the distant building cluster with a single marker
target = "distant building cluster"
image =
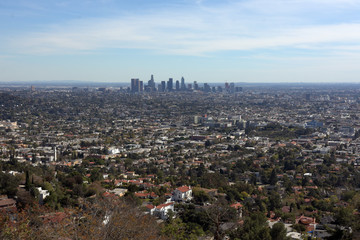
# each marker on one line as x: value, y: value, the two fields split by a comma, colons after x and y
x: 138, y: 86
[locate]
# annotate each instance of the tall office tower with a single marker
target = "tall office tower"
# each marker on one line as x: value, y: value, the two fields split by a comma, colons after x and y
x: 141, y: 86
x: 183, y: 86
x: 135, y: 85
x: 207, y: 88
x: 196, y: 86
x: 163, y: 86
x: 133, y: 82
x: 232, y: 87
x: 189, y: 86
x: 170, y: 85
x: 226, y: 86
x: 177, y: 85
x: 151, y: 83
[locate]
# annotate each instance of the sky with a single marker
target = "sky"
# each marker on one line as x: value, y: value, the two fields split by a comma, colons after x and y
x: 202, y: 40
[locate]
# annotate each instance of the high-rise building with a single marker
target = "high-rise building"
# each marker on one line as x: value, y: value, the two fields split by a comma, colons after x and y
x: 196, y: 86
x: 183, y: 86
x: 141, y: 87
x: 232, y: 88
x: 135, y: 85
x: 207, y: 87
x: 170, y: 85
x: 163, y: 86
x: 151, y: 83
x: 177, y: 85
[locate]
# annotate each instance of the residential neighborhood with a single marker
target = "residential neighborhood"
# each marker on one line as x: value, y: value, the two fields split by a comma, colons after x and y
x: 275, y: 160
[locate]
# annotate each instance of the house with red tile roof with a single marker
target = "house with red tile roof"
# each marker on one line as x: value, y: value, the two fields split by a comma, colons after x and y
x: 309, y: 222
x: 146, y: 194
x: 182, y: 194
x: 238, y: 206
x: 150, y: 208
x: 162, y: 211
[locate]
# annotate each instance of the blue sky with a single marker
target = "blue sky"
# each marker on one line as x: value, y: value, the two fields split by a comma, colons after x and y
x: 202, y: 40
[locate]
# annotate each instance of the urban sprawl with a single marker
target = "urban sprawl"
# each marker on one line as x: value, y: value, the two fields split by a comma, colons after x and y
x: 189, y: 161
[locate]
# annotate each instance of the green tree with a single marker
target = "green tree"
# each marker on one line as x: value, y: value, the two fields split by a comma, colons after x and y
x: 299, y: 227
x: 200, y: 196
x: 8, y: 184
x: 95, y: 175
x: 339, y: 234
x: 345, y: 216
x: 255, y: 228
x: 177, y: 229
x: 274, y: 200
x: 273, y: 178
x: 27, y: 180
x: 220, y: 213
x: 278, y: 232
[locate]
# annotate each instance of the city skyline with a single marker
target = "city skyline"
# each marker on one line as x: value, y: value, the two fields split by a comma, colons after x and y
x: 203, y: 40
x: 140, y: 86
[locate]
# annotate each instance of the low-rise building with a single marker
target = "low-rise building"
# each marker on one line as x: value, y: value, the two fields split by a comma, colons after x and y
x: 182, y: 194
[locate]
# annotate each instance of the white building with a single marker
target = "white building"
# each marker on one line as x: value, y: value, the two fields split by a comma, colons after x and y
x: 113, y: 150
x: 161, y: 211
x: 183, y: 193
x: 42, y: 194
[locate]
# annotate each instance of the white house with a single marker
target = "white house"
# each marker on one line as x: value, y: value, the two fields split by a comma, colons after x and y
x: 183, y: 193
x: 113, y: 150
x: 42, y: 194
x: 162, y: 210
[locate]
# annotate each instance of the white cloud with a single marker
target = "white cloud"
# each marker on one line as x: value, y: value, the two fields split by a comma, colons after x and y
x: 237, y: 25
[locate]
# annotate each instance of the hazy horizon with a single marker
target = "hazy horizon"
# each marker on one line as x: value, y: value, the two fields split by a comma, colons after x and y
x: 84, y: 83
